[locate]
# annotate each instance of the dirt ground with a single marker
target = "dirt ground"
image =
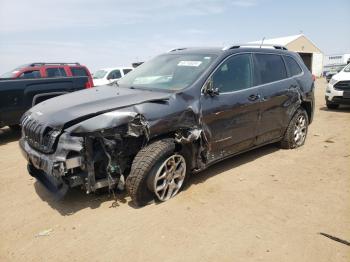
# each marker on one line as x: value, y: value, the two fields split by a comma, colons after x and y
x: 265, y: 205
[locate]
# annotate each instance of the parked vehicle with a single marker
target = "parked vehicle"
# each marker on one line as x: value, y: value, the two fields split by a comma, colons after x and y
x: 107, y: 75
x: 45, y: 70
x: 338, y: 89
x: 18, y: 95
x: 174, y: 115
x: 333, y: 72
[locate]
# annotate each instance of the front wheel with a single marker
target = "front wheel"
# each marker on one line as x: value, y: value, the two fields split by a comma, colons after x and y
x: 157, y: 172
x: 296, y: 132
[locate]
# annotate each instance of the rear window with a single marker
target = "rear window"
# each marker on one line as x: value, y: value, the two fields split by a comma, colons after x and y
x: 125, y: 71
x: 78, y: 71
x: 55, y: 72
x: 293, y: 66
x: 30, y: 74
x: 269, y: 68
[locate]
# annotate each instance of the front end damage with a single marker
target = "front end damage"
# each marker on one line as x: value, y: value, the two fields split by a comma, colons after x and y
x: 82, y: 157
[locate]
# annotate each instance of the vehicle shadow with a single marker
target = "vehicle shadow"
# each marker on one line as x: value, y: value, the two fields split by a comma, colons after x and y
x: 7, y: 135
x: 341, y: 109
x: 76, y: 199
x: 230, y: 163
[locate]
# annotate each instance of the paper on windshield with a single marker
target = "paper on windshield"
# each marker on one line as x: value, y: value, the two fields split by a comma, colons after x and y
x: 190, y: 63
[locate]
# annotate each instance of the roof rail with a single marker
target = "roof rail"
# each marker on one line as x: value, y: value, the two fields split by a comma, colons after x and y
x: 177, y: 49
x: 44, y: 63
x: 280, y: 47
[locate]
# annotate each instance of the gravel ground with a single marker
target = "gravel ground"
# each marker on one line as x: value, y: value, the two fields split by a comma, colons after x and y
x: 265, y: 205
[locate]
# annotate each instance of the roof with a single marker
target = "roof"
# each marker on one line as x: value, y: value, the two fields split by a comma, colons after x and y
x: 115, y: 68
x: 280, y: 40
x: 219, y: 51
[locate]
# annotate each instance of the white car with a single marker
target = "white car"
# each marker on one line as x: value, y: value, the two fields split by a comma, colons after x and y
x: 105, y: 76
x: 338, y: 89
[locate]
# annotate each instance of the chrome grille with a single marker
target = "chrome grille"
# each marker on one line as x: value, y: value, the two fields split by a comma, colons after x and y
x: 342, y: 85
x: 39, y: 136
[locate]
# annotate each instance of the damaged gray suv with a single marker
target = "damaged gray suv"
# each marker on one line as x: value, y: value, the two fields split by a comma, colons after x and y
x: 172, y: 116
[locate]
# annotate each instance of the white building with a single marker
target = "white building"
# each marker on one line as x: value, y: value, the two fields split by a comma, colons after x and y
x: 335, y: 61
x: 309, y: 52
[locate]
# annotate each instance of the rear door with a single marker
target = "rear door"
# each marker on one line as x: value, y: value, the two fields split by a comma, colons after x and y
x: 278, y: 95
x: 230, y: 117
x: 54, y: 71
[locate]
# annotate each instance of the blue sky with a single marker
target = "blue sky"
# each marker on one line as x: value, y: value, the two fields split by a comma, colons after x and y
x: 103, y: 33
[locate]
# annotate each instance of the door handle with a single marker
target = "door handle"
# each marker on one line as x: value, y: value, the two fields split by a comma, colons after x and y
x: 293, y: 86
x: 253, y: 97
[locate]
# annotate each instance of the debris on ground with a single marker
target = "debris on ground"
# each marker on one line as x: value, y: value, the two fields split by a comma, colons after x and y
x: 336, y: 239
x: 44, y: 233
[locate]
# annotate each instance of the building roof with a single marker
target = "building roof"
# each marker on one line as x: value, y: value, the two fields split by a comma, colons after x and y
x: 279, y: 41
x: 297, y: 43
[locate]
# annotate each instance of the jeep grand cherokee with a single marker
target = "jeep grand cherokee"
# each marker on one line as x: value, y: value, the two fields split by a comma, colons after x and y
x: 174, y: 115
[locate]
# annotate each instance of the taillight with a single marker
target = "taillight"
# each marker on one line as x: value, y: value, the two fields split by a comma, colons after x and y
x: 313, y: 78
x: 88, y: 84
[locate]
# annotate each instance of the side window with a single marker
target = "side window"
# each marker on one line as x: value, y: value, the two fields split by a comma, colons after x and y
x: 62, y: 71
x: 55, y: 72
x: 115, y: 74
x: 30, y: 74
x: 125, y: 71
x: 234, y: 74
x: 293, y: 66
x: 269, y: 68
x: 78, y: 71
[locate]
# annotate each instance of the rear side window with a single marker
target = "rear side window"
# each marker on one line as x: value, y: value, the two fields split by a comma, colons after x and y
x: 269, y: 68
x: 125, y: 71
x: 30, y: 74
x: 78, y: 71
x: 55, y: 72
x: 234, y: 74
x: 293, y: 66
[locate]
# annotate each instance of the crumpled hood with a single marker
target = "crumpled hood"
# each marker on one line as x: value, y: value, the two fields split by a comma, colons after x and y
x: 66, y: 110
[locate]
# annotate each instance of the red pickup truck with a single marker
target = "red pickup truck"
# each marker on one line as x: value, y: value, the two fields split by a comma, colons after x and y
x: 43, y: 70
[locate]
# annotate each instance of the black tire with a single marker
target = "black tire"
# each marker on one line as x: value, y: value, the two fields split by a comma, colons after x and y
x: 15, y: 128
x: 144, y: 166
x: 289, y: 141
x: 332, y: 105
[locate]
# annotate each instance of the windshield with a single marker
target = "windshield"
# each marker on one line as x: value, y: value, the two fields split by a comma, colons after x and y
x: 8, y: 74
x: 11, y: 73
x: 170, y: 71
x: 99, y: 74
x: 347, y: 68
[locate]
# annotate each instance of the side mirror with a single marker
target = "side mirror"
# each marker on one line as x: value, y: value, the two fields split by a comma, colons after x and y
x: 209, y: 88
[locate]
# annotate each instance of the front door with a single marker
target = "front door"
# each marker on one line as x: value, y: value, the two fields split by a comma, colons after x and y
x: 230, y: 117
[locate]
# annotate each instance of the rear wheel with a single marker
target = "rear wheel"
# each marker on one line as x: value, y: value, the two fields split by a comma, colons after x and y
x: 331, y: 105
x: 157, y: 173
x: 296, y: 132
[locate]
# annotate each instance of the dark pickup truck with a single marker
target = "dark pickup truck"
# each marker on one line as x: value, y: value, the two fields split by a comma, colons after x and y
x: 18, y: 95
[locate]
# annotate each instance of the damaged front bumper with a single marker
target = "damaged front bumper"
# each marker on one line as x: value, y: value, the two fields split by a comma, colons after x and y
x: 58, y: 171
